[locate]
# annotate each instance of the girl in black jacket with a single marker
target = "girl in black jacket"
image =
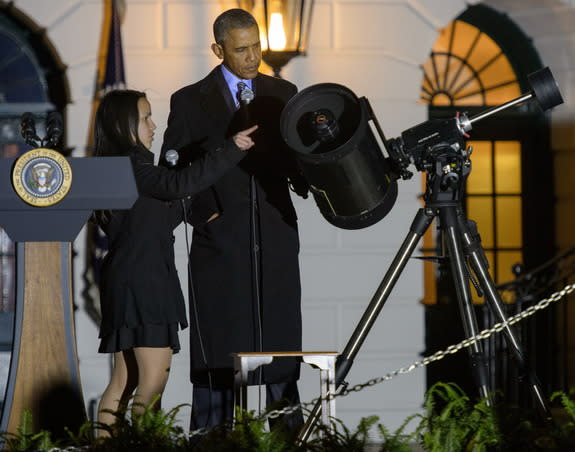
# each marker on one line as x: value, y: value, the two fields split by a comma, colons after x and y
x: 141, y: 300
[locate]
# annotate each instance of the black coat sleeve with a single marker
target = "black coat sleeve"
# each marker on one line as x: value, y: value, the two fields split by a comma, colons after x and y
x: 168, y: 184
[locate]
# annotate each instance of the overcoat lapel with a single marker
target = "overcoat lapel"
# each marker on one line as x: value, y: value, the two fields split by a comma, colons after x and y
x: 257, y: 85
x: 216, y: 97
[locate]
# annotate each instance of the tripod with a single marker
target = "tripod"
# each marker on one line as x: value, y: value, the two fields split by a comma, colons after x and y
x: 447, y: 167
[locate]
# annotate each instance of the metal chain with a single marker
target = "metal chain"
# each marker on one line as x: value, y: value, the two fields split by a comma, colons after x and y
x: 466, y: 343
x: 452, y: 349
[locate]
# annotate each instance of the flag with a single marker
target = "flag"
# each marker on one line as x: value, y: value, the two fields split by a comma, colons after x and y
x: 110, y: 72
x: 110, y: 75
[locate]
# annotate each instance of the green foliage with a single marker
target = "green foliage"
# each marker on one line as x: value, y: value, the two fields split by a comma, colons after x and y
x: 567, y: 402
x: 150, y: 430
x: 84, y: 436
x: 525, y: 431
x: 337, y: 437
x: 25, y: 439
x: 453, y: 423
x: 565, y: 425
x: 397, y: 441
x: 522, y: 430
x: 247, y: 434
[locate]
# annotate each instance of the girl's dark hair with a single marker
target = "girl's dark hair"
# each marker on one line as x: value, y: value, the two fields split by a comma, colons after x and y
x: 117, y: 118
x: 116, y: 132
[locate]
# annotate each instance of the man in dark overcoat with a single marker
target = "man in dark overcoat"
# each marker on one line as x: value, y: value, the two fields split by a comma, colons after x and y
x: 245, y: 289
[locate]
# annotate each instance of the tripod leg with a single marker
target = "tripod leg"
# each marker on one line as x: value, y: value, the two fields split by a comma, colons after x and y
x: 478, y: 261
x: 450, y: 230
x: 418, y: 227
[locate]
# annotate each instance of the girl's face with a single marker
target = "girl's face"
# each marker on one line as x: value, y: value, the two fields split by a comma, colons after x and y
x: 146, y: 126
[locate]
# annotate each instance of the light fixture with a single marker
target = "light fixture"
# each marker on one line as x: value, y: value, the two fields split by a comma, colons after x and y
x: 284, y: 28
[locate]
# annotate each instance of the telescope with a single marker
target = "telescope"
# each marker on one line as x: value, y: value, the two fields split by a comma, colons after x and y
x: 353, y: 183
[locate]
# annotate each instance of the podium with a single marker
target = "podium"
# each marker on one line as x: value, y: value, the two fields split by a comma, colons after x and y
x: 44, y: 375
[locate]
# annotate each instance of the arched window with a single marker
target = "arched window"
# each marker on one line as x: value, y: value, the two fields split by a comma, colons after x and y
x: 467, y: 68
x: 480, y: 60
x: 31, y: 77
x: 476, y: 63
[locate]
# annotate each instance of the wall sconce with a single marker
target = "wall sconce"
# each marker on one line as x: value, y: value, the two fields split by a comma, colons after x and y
x: 284, y: 28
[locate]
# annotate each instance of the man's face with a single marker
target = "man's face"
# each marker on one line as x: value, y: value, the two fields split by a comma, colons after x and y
x: 241, y: 51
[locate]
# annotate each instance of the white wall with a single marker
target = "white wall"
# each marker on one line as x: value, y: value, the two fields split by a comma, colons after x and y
x: 374, y: 47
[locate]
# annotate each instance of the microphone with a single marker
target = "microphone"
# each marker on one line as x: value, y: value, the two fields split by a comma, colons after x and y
x: 28, y: 129
x: 172, y: 157
x: 246, y: 96
x: 54, y: 128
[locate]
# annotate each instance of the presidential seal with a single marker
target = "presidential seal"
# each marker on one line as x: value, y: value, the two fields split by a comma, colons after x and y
x: 42, y: 177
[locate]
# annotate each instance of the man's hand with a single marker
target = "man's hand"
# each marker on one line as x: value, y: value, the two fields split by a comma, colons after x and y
x: 243, y: 140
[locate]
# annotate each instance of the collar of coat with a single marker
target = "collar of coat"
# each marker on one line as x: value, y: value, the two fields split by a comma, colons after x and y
x: 216, y: 96
x: 140, y: 154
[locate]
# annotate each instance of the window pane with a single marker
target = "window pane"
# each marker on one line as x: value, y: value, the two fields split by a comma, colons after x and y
x: 508, y: 167
x: 464, y: 36
x: 21, y: 78
x: 480, y: 210
x: 509, y: 222
x: 468, y: 91
x: 485, y: 50
x: 475, y: 99
x: 502, y: 94
x: 505, y: 262
x: 480, y: 179
x: 498, y: 71
x: 496, y: 74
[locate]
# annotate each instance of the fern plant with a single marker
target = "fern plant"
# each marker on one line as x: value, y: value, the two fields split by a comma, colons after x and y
x: 150, y: 430
x: 84, y: 437
x: 398, y: 441
x: 247, y: 433
x: 452, y: 423
x: 565, y: 431
x: 25, y: 439
x: 567, y: 402
x: 338, y: 438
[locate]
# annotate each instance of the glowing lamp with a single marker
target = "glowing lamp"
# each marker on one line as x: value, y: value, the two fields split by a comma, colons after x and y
x: 284, y: 28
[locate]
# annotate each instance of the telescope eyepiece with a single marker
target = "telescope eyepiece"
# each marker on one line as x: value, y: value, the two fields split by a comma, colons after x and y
x: 324, y: 125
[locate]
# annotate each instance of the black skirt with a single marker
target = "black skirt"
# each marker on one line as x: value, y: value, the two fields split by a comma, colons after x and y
x: 148, y: 335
